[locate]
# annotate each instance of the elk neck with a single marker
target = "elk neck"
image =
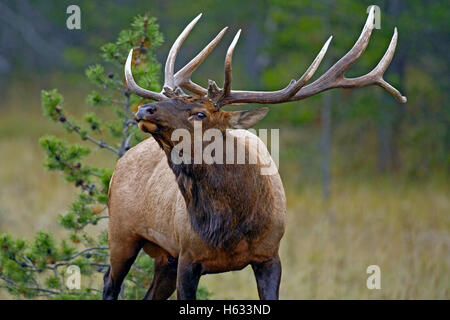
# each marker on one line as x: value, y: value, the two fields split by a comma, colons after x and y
x: 226, y: 202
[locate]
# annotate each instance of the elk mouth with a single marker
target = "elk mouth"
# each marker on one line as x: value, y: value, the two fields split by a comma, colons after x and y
x: 149, y: 126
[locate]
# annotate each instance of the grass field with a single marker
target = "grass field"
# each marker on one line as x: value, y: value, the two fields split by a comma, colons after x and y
x: 399, y: 225
x: 326, y: 250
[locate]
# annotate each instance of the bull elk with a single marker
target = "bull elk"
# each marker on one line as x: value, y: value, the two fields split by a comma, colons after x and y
x: 197, y: 218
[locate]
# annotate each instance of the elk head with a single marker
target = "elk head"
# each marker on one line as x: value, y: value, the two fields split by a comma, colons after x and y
x: 175, y: 109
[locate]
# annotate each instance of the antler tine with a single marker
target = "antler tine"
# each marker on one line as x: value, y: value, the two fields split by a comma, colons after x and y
x: 183, y: 77
x: 380, y: 69
x: 359, y: 47
x: 270, y: 96
x: 376, y: 75
x: 194, y: 88
x: 228, y: 64
x: 133, y: 86
x: 169, y: 79
x: 334, y: 77
x: 312, y: 68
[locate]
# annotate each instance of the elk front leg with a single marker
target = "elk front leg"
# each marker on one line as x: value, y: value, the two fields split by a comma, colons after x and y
x: 187, y: 279
x: 122, y: 256
x: 268, y: 277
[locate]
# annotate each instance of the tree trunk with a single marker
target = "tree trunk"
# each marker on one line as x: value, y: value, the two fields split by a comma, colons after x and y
x: 390, y: 112
x: 325, y: 145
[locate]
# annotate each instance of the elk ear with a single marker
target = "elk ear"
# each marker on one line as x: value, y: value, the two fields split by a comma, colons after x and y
x: 247, y: 118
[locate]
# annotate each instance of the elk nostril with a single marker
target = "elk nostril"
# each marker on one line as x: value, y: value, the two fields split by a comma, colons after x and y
x: 151, y: 109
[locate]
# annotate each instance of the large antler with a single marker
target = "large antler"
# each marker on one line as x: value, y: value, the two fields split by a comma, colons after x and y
x: 182, y: 78
x: 333, y: 78
x: 295, y: 90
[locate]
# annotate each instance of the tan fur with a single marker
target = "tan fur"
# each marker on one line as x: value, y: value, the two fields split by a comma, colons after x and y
x: 145, y: 203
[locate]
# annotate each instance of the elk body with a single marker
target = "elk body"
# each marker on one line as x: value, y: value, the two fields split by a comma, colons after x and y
x: 199, y: 218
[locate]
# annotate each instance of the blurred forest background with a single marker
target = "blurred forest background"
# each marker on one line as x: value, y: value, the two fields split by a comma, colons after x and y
x: 367, y: 179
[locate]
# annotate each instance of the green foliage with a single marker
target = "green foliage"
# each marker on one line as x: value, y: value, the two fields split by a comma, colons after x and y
x: 51, y: 101
x: 416, y: 132
x: 38, y: 268
x: 93, y: 121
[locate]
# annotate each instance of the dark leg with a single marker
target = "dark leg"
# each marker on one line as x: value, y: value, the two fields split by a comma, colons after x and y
x: 122, y: 256
x: 268, y: 276
x: 164, y: 279
x: 187, y: 281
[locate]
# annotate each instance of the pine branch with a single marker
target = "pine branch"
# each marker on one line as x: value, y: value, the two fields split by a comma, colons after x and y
x: 32, y: 261
x: 84, y: 251
x: 127, y: 124
x: 100, y: 143
x: 15, y: 285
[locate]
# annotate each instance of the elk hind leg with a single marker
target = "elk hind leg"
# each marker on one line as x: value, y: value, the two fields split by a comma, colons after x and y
x: 164, y: 278
x: 189, y: 273
x: 268, y: 276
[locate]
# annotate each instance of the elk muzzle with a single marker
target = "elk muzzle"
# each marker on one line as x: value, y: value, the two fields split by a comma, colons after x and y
x: 145, y: 117
x: 145, y: 112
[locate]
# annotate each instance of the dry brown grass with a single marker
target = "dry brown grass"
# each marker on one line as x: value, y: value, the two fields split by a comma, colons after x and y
x: 404, y: 230
x: 402, y: 227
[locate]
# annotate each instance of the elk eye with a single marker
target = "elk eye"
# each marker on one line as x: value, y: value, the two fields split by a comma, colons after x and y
x: 197, y: 116
x: 200, y: 115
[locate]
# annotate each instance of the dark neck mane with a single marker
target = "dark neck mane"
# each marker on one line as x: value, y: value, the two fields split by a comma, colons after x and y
x: 226, y: 203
